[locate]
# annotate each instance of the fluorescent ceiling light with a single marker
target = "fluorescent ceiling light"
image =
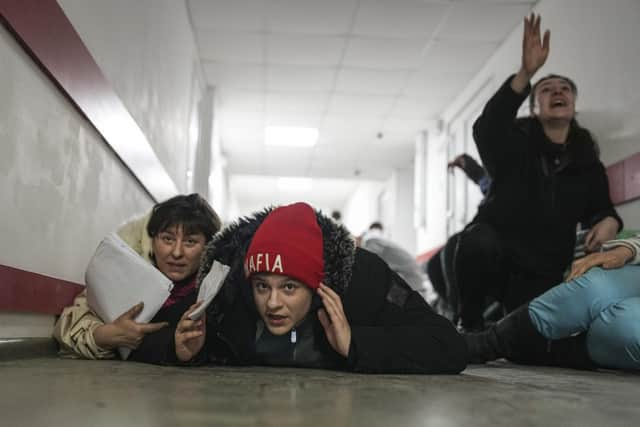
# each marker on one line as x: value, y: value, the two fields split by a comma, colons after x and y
x: 287, y: 136
x: 294, y: 184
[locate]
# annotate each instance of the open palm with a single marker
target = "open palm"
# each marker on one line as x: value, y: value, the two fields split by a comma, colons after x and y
x: 534, y: 49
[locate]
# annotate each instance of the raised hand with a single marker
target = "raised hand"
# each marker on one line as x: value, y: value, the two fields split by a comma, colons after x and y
x: 125, y: 331
x: 614, y: 258
x: 534, y: 50
x: 190, y: 335
x: 459, y: 161
x: 334, y: 321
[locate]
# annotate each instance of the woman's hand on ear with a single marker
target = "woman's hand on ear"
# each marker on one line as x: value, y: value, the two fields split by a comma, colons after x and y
x: 334, y: 321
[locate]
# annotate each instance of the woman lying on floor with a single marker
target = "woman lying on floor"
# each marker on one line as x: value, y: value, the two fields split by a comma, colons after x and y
x: 172, y: 237
x: 592, y: 320
x: 299, y: 293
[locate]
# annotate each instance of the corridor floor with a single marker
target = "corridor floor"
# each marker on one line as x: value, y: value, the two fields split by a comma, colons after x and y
x: 56, y: 392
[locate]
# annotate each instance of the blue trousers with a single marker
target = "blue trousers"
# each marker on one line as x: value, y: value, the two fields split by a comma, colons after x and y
x: 605, y: 304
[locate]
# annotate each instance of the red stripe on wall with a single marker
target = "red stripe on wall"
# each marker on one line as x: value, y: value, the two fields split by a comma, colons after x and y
x: 624, y: 179
x: 23, y: 291
x: 49, y: 37
x: 426, y: 256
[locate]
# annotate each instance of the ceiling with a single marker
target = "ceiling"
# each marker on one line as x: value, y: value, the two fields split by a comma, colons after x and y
x: 369, y: 74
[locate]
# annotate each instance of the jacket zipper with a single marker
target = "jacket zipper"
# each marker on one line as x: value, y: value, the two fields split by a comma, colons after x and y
x: 553, y: 193
x: 294, y: 340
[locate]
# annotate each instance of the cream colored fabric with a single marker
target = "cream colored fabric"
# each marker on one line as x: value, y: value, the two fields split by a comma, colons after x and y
x: 632, y: 243
x: 74, y: 329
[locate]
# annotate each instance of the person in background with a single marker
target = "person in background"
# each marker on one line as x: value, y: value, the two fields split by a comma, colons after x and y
x: 592, y: 320
x: 399, y: 259
x: 439, y: 268
x: 300, y: 293
x: 172, y: 237
x: 546, y: 178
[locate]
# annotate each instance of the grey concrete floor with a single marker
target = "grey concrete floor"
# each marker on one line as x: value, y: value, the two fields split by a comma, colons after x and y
x: 56, y: 392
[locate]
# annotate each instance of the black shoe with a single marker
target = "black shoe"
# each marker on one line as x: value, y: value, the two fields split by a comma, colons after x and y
x: 483, y: 346
x: 515, y: 338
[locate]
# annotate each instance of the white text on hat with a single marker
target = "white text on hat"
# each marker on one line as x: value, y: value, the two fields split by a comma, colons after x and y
x: 260, y: 263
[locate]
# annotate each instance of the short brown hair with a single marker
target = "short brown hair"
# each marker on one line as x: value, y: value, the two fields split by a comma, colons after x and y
x: 192, y: 212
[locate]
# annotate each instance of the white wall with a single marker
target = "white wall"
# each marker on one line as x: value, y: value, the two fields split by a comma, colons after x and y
x: 595, y: 43
x: 61, y: 186
x: 399, y: 227
x: 218, y: 175
x: 146, y: 49
x: 389, y: 202
x: 362, y: 207
x: 434, y: 233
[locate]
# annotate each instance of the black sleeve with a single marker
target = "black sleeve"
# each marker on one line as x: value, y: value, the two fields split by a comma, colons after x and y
x: 472, y: 169
x: 600, y: 205
x: 159, y: 347
x: 491, y: 131
x: 395, y: 330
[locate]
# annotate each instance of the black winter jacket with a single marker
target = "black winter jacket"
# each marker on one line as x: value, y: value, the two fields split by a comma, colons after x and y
x: 393, y: 330
x: 540, y: 190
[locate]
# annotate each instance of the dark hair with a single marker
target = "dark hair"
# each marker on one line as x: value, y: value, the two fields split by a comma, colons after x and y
x: 532, y: 95
x: 376, y: 225
x: 192, y: 212
x: 336, y: 215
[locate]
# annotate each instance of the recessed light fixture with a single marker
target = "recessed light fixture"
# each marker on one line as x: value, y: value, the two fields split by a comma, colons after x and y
x: 287, y: 136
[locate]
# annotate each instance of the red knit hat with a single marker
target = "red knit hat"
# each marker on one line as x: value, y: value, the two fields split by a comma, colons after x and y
x: 289, y: 243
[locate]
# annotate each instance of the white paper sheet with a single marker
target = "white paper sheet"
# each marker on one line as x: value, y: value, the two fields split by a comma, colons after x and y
x: 118, y: 278
x: 209, y: 287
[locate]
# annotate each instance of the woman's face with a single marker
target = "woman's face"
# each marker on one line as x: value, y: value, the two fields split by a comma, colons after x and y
x: 281, y: 301
x: 555, y: 100
x: 177, y: 254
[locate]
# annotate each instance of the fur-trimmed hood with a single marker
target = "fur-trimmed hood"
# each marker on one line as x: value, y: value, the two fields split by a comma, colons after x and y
x: 230, y: 245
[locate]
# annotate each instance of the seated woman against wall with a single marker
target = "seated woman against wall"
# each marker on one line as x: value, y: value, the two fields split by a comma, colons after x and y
x: 299, y: 293
x: 546, y: 179
x: 172, y: 237
x: 592, y: 320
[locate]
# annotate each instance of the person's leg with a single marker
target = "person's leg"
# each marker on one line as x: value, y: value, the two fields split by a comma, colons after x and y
x: 436, y: 276
x: 613, y: 339
x: 478, y: 271
x: 571, y: 307
x: 447, y: 256
x: 522, y: 287
x: 516, y: 338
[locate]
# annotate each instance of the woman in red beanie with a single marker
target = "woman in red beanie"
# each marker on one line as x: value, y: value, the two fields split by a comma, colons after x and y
x: 299, y: 293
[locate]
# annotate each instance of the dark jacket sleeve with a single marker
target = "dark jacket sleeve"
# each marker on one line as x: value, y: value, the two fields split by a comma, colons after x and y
x: 159, y: 347
x: 492, y: 131
x: 472, y: 169
x: 600, y: 205
x: 393, y: 329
